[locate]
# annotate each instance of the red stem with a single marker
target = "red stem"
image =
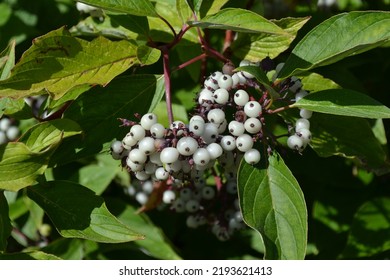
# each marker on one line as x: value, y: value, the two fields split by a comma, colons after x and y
x: 192, y: 60
x: 167, y: 79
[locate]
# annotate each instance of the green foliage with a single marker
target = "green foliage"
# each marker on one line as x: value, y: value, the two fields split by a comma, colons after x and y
x: 78, y: 213
x: 61, y: 191
x: 273, y: 204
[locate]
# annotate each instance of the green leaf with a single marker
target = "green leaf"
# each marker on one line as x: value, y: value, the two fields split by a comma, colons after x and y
x: 16, y: 108
x: 179, y: 111
x: 19, y: 166
x: 261, y: 77
x: 34, y: 255
x: 370, y: 230
x: 211, y: 7
x: 348, y: 137
x: 344, y: 102
x: 122, y: 98
x: 66, y: 248
x: 239, y: 20
x: 147, y: 55
x: 155, y: 243
x: 58, y: 62
x: 131, y: 7
x: 255, y: 47
x: 273, y: 204
x: 5, y: 13
x: 44, y: 134
x: 109, y: 27
x: 338, y: 37
x: 5, y: 223
x: 77, y: 212
x: 183, y: 10
x: 96, y: 177
x: 7, y: 60
x: 315, y: 82
x: 161, y: 32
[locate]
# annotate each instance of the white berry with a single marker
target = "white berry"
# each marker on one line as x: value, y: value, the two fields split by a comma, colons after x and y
x: 252, y: 156
x: 244, y: 142
x: 241, y: 97
x: 252, y: 125
x: 236, y: 128
x: 187, y: 146
x: 148, y: 120
x: 228, y: 143
x: 169, y: 155
x: 252, y: 109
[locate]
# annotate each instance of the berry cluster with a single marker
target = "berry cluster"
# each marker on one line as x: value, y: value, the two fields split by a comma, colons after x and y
x: 8, y: 130
x: 227, y: 123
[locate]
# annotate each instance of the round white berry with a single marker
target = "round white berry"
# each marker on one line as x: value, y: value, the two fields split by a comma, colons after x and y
x: 215, y: 150
x: 215, y: 76
x: 228, y: 143
x: 252, y: 125
x: 116, y: 147
x: 241, y: 97
x: 252, y: 156
x: 236, y: 128
x: 187, y: 146
x: 173, y: 167
x: 137, y: 132
x: 157, y: 130
x: 197, y: 127
x: 168, y: 196
x: 128, y: 141
x: 208, y: 193
x: 134, y: 166
x: 225, y: 81
x: 196, y: 118
x: 216, y: 116
x: 191, y: 222
x: 146, y: 145
x: 221, y: 96
x: 302, y: 123
x: 179, y: 206
x: 222, y: 126
x: 185, y: 194
x: 205, y: 96
x: 244, y: 142
x: 231, y: 187
x: 210, y: 84
x: 169, y: 155
x: 161, y: 174
x: 137, y: 156
x: 201, y: 157
x: 305, y: 134
x: 295, y: 142
x: 252, y: 109
x: 155, y: 158
x: 296, y: 84
x: 306, y: 114
x: 142, y: 176
x: 148, y: 120
x: 192, y: 205
x: 5, y: 123
x: 142, y: 198
x: 243, y: 80
x: 235, y: 79
x: 244, y: 62
x: 210, y: 133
